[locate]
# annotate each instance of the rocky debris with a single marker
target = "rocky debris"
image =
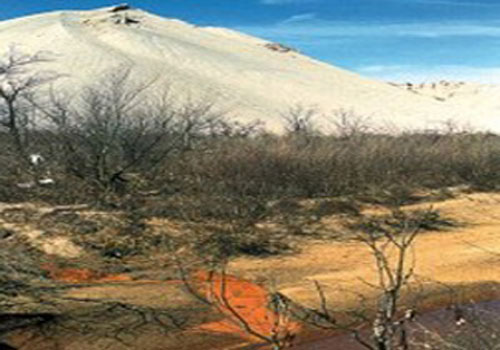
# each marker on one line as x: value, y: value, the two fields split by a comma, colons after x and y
x: 129, y: 20
x: 119, y: 15
x: 279, y: 48
x: 120, y: 8
x: 124, y: 19
x: 440, y: 91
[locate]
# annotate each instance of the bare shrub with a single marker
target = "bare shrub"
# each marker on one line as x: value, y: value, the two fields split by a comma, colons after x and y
x: 19, y: 82
x: 119, y: 137
x: 119, y: 133
x: 300, y: 120
x: 335, y: 207
x: 348, y: 124
x: 391, y: 248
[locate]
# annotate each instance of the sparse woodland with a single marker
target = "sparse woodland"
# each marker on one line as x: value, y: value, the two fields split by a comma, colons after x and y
x: 132, y: 148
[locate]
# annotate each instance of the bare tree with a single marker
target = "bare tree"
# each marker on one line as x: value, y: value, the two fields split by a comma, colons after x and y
x: 19, y: 81
x: 393, y: 277
x: 348, y: 124
x: 391, y: 248
x: 119, y: 127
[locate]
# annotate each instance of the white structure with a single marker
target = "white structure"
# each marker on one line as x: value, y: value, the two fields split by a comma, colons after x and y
x: 26, y: 185
x: 36, y: 159
x: 46, y: 182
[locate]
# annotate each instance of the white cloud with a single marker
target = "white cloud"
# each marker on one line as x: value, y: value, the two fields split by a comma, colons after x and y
x: 425, y: 2
x: 304, y: 17
x: 455, y: 3
x: 344, y: 44
x: 418, y: 74
x: 311, y: 26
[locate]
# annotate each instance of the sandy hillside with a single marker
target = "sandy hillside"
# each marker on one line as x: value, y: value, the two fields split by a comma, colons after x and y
x: 247, y: 76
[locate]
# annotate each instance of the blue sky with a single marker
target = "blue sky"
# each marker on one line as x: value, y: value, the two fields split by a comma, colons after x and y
x: 387, y: 39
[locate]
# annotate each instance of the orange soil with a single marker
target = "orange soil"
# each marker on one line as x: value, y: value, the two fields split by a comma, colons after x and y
x: 249, y: 301
x: 68, y: 275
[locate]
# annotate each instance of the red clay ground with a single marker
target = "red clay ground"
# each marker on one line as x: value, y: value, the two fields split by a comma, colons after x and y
x: 76, y: 275
x: 244, y: 304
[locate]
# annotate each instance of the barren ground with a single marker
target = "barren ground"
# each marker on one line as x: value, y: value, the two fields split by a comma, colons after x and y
x: 465, y: 257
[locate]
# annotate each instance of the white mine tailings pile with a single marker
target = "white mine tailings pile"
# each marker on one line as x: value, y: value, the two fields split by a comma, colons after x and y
x: 250, y: 78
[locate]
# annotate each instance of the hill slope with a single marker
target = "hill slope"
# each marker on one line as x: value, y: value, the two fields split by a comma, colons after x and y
x: 245, y: 75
